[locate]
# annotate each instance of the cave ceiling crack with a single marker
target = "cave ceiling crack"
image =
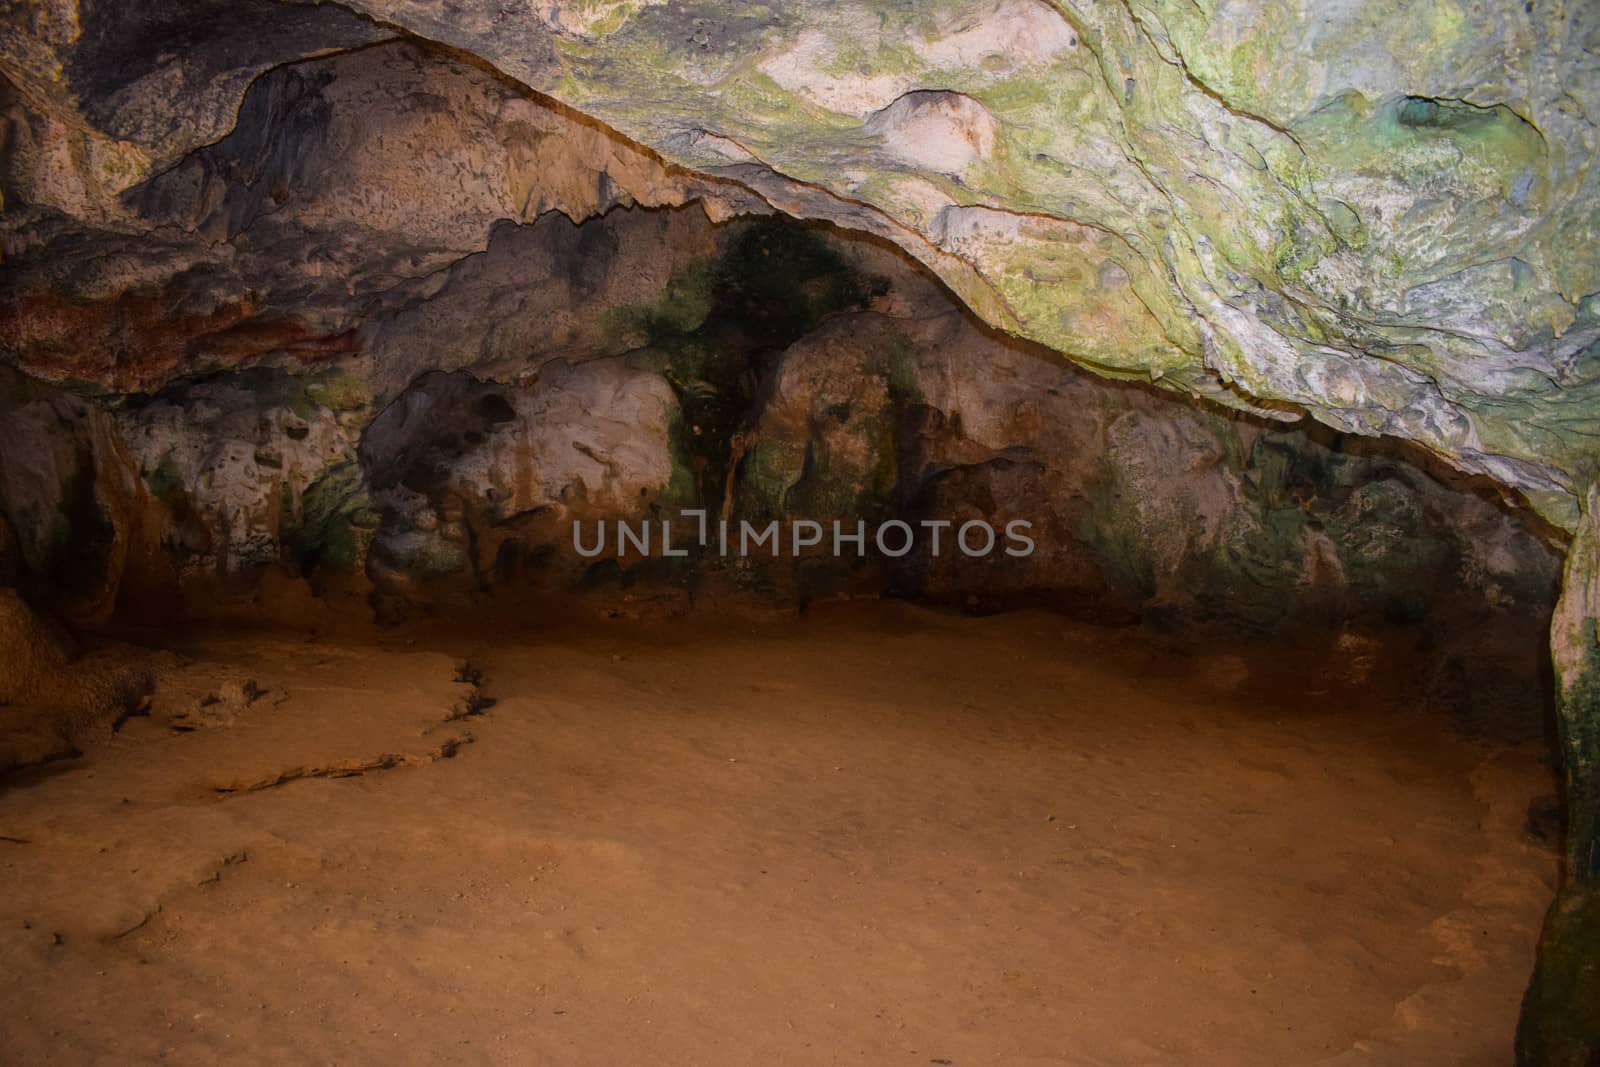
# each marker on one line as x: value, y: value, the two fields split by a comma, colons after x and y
x: 1177, y: 61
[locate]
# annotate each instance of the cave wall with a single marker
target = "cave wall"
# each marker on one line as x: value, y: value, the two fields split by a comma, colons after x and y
x: 1383, y: 214
x: 404, y: 322
x: 651, y: 361
x: 240, y: 240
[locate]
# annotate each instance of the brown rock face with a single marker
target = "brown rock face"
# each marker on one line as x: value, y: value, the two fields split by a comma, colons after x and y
x: 327, y: 306
x: 406, y: 322
x: 1377, y: 218
x: 52, y: 697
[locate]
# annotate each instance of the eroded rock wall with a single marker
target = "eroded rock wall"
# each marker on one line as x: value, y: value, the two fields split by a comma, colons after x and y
x: 405, y: 322
x: 1381, y: 214
x: 649, y: 363
x: 241, y: 240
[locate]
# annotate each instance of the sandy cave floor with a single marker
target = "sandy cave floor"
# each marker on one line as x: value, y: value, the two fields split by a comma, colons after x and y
x: 873, y: 835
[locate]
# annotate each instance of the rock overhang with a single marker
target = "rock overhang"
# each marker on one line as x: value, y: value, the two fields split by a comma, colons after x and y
x: 1382, y: 218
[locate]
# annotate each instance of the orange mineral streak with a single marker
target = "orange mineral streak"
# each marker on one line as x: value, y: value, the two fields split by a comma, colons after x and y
x: 139, y: 341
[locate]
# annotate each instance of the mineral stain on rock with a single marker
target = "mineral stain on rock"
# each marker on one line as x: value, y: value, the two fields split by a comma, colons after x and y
x: 1275, y: 325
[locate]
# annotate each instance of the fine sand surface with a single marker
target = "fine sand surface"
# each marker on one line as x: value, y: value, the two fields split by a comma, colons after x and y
x: 871, y: 835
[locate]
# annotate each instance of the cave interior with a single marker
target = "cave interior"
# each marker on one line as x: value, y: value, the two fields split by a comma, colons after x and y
x: 699, y: 533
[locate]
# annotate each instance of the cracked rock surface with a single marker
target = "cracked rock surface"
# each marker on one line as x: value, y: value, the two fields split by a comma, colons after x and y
x: 228, y: 717
x: 1383, y: 215
x: 696, y: 836
x: 377, y: 341
x: 311, y: 306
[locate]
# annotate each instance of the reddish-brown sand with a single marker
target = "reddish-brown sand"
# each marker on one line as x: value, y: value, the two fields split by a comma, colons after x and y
x: 873, y: 835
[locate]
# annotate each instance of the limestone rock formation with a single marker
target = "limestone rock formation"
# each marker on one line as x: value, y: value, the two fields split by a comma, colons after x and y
x: 1385, y: 216
x: 53, y: 698
x: 382, y: 294
x: 648, y: 366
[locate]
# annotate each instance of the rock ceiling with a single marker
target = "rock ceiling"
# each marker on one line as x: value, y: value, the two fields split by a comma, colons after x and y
x: 1384, y: 215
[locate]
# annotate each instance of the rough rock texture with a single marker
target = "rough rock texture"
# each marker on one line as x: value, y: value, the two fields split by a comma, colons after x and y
x: 652, y: 366
x: 1384, y: 215
x: 473, y: 477
x: 257, y: 253
x: 53, y: 697
x: 1561, y: 1013
x: 352, y: 189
